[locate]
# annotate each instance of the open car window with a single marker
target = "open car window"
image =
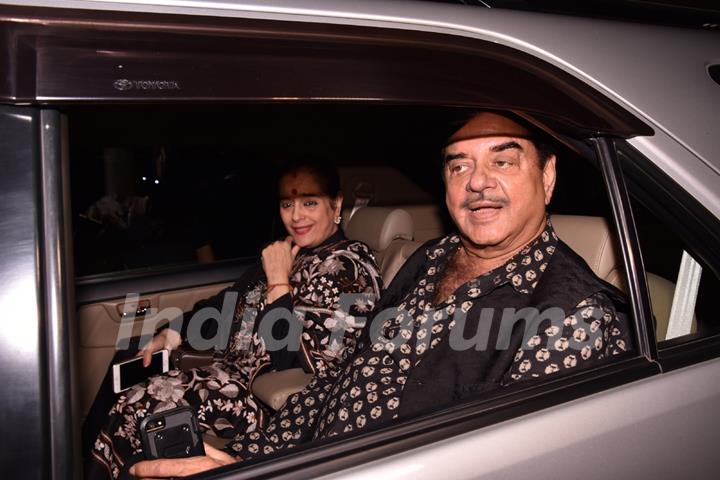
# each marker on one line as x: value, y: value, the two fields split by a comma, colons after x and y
x: 154, y: 185
x: 677, y: 240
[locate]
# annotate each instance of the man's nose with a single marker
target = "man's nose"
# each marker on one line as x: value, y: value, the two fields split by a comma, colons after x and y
x: 480, y: 179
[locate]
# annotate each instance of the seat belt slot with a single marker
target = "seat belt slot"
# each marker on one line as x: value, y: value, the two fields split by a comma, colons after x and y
x: 684, y: 298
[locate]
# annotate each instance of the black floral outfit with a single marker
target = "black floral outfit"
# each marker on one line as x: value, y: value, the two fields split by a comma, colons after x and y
x: 374, y: 387
x: 221, y: 393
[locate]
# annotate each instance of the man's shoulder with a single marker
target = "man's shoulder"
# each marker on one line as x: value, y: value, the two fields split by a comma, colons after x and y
x: 566, y: 262
x: 569, y: 276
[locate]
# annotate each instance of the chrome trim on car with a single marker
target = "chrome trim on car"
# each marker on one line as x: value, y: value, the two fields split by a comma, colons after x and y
x: 57, y: 288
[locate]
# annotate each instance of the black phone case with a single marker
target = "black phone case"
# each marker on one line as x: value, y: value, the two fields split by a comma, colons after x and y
x: 178, y: 437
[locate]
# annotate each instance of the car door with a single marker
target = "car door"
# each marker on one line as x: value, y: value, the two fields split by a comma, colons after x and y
x: 37, y: 329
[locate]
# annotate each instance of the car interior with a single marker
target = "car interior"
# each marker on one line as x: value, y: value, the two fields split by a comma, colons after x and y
x: 216, y: 164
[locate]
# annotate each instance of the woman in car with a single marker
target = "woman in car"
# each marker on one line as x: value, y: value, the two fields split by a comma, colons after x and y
x: 305, y: 274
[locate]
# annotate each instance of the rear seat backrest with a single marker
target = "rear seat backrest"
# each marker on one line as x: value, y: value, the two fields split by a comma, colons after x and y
x: 591, y: 238
x: 428, y: 220
x: 381, y: 228
x: 389, y: 233
x: 395, y: 256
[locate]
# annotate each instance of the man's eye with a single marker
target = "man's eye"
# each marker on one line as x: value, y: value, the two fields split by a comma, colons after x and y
x: 458, y: 168
x: 502, y: 163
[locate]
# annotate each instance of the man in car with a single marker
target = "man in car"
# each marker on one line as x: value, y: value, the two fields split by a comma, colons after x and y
x: 501, y: 301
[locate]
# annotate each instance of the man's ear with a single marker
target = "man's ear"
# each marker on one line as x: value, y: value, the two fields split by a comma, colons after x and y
x: 549, y: 178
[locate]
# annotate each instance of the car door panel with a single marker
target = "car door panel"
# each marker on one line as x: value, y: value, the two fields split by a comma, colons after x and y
x: 615, y: 433
x: 99, y: 329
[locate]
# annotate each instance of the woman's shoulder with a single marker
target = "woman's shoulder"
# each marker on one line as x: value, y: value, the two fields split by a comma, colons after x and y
x: 344, y: 247
x: 357, y: 246
x: 348, y: 250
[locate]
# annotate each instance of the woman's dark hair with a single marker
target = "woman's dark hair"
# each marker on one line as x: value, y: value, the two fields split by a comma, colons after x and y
x: 324, y: 172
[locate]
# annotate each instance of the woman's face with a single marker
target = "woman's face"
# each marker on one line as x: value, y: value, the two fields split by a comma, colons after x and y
x: 308, y: 214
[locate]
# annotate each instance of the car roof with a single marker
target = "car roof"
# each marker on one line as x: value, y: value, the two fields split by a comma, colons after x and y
x: 659, y: 74
x: 703, y: 14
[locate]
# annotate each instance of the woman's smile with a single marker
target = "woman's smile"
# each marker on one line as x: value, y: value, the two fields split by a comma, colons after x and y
x: 302, y: 229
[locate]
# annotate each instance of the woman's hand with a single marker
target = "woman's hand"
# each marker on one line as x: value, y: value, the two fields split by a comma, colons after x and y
x: 181, y: 467
x: 277, y: 260
x: 167, y: 338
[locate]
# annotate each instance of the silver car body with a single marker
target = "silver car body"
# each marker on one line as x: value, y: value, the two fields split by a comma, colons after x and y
x: 665, y: 426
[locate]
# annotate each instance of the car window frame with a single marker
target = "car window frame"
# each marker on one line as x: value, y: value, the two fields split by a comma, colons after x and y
x: 689, y: 220
x: 112, y: 285
x: 327, y: 456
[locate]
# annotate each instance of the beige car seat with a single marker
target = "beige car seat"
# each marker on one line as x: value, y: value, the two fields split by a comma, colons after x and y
x: 591, y: 238
x: 384, y: 230
x: 428, y: 220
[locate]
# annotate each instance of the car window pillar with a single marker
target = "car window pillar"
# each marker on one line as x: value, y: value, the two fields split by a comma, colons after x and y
x: 629, y: 245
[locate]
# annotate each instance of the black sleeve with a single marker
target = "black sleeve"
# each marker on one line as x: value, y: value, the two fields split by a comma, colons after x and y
x: 592, y: 333
x: 283, y: 358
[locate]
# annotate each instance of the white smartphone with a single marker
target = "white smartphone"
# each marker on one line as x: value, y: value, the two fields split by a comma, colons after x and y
x: 131, y: 372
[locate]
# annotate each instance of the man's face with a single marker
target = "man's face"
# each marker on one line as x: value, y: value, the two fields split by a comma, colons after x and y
x: 496, y: 191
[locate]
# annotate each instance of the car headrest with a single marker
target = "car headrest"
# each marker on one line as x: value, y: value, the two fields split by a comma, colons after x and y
x: 378, y: 226
x: 592, y: 239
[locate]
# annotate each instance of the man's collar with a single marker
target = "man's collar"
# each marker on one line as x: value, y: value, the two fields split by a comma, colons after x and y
x: 524, y: 270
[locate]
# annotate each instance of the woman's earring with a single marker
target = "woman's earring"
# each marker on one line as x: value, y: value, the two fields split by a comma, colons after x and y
x: 338, y: 219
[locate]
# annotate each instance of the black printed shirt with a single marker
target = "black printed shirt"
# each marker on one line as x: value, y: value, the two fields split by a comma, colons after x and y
x: 369, y: 389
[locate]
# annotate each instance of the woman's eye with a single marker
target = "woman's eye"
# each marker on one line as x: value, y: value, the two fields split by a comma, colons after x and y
x: 285, y: 205
x: 310, y: 203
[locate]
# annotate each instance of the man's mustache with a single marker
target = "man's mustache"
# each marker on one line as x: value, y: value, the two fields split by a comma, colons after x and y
x: 480, y: 197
